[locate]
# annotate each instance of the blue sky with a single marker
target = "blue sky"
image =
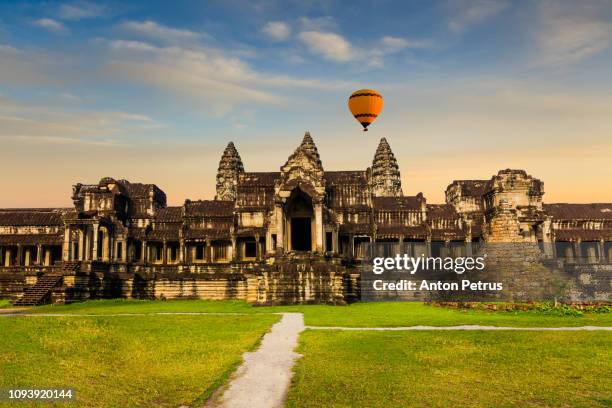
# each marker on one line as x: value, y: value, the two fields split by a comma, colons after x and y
x: 153, y: 91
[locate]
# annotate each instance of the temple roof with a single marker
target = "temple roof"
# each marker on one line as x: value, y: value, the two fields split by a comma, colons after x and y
x: 397, y: 203
x: 169, y: 214
x: 209, y: 208
x: 441, y: 211
x: 258, y: 178
x: 32, y: 217
x: 345, y: 177
x: 31, y: 239
x: 563, y: 211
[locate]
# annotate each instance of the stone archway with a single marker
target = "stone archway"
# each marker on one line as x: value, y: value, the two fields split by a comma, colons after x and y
x: 299, y: 214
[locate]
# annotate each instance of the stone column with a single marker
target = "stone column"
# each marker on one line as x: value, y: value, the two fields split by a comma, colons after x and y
x: 335, y: 241
x: 280, y: 227
x: 602, y: 251
x: 81, y: 245
x: 319, y: 227
x: 66, y: 245
x: 27, y: 257
x: 182, y: 251
x: 233, y: 255
x: 7, y: 258
x: 94, y: 251
x: 143, y: 253
x: 268, y: 248
x: 87, y: 246
x: 110, y: 247
x: 164, y: 253
x: 257, y: 249
x: 208, y: 252
x: 39, y: 254
x: 47, y: 257
x: 351, y: 247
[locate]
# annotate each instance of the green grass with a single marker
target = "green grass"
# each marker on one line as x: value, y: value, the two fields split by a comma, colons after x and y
x: 453, y: 369
x: 127, y: 361
x: 113, y: 306
x: 4, y: 304
x: 376, y: 314
x: 390, y: 314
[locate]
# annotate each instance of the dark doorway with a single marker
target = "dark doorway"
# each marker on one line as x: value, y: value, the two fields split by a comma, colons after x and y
x: 300, y: 234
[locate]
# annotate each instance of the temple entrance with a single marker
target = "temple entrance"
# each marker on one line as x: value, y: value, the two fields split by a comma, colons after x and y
x: 299, y: 214
x: 301, y: 234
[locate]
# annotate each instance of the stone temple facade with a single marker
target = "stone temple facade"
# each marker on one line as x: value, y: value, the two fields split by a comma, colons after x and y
x: 291, y: 236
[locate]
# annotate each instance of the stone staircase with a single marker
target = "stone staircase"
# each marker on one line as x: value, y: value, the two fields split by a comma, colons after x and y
x: 38, y: 293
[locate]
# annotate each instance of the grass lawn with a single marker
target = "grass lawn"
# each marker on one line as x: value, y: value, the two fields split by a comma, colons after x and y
x: 4, y: 304
x: 129, y: 360
x: 375, y: 314
x: 453, y: 369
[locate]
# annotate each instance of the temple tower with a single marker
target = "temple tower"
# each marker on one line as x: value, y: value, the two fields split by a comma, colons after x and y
x: 308, y: 145
x: 384, y: 174
x: 230, y: 168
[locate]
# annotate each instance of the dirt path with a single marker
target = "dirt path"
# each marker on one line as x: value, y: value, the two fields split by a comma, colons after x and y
x: 263, y: 378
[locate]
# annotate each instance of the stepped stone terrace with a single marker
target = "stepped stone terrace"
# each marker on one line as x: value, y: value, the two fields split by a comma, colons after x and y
x: 289, y: 236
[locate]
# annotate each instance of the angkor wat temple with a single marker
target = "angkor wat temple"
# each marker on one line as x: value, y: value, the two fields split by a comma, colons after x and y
x: 290, y: 236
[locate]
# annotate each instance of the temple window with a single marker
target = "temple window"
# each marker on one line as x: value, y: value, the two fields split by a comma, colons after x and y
x: 328, y: 242
x: 250, y: 249
x: 199, y: 255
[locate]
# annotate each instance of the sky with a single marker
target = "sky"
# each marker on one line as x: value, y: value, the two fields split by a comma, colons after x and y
x: 152, y: 92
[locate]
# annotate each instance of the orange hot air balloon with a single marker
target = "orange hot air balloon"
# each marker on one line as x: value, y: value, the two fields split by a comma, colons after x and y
x: 365, y: 105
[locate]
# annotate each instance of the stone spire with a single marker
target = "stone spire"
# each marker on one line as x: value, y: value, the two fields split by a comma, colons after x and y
x: 230, y: 167
x: 385, y: 176
x: 308, y: 145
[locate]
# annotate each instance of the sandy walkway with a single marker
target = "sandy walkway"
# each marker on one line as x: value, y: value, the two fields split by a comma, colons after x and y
x: 263, y: 378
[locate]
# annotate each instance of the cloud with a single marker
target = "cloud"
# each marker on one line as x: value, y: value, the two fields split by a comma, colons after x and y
x: 208, y: 75
x: 334, y: 47
x: 396, y: 44
x: 467, y: 13
x: 277, y: 30
x: 81, y: 10
x: 39, y: 124
x: 18, y: 66
x: 326, y: 23
x: 569, y: 34
x: 151, y: 29
x: 50, y: 24
x: 330, y: 46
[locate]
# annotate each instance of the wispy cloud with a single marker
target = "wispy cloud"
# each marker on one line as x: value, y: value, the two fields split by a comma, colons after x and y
x: 153, y: 30
x: 277, y: 30
x: 81, y: 10
x: 326, y: 23
x: 468, y: 13
x: 50, y: 24
x: 209, y: 75
x: 336, y: 48
x: 27, y: 123
x: 567, y: 35
x: 330, y: 46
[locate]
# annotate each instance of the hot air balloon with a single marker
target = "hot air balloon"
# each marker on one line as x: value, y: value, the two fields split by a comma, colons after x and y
x: 365, y: 105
